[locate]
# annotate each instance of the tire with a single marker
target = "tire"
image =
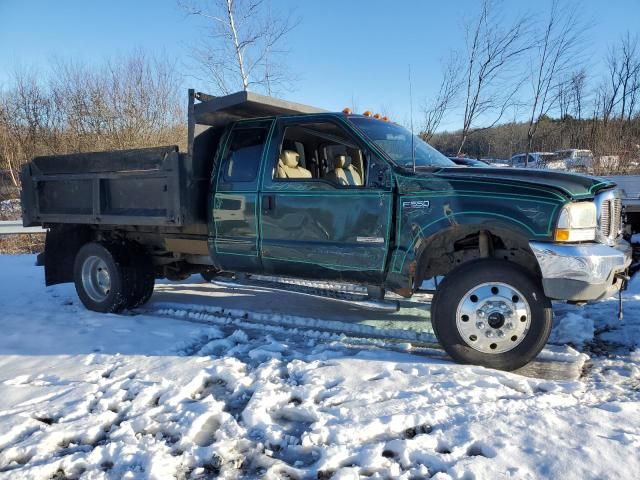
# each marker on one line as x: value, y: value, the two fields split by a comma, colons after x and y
x: 103, y: 277
x: 144, y: 278
x: 209, y: 275
x: 492, y: 313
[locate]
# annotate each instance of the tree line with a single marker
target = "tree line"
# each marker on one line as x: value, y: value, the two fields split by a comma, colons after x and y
x: 515, y: 76
x: 126, y: 103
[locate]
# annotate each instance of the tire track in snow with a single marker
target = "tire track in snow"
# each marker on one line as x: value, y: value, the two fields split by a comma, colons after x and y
x: 554, y: 363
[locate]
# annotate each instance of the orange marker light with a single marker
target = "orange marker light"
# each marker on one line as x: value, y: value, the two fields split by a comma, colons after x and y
x: 367, y: 113
x: 347, y: 111
x: 562, y: 235
x: 377, y: 116
x: 385, y: 119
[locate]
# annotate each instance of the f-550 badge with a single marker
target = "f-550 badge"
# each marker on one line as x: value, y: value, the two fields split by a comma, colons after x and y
x: 411, y: 204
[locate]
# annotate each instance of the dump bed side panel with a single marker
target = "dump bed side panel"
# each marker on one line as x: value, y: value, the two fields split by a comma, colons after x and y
x: 130, y: 187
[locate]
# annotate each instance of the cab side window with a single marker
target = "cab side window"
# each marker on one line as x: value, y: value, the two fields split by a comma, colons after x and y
x: 242, y: 158
x: 320, y: 151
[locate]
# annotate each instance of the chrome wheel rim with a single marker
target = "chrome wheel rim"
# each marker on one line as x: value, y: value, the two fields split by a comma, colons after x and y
x: 96, y: 280
x: 493, y: 318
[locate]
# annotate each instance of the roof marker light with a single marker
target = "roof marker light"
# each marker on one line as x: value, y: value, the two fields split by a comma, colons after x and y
x: 347, y: 111
x: 367, y: 113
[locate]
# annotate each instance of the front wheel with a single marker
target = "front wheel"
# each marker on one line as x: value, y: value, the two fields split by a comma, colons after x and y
x: 492, y: 313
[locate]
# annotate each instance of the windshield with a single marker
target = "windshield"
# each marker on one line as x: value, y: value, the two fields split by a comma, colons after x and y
x: 396, y: 143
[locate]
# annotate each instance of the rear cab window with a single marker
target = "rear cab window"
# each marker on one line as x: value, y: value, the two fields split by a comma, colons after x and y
x: 239, y: 166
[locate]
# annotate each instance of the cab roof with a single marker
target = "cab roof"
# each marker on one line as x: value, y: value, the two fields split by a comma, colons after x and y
x: 220, y: 111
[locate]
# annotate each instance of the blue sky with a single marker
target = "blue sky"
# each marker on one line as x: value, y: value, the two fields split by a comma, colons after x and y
x: 342, y: 51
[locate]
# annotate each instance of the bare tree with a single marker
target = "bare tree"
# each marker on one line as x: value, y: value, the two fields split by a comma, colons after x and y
x: 554, y: 53
x: 620, y: 91
x: 243, y: 45
x: 435, y: 110
x: 493, y: 51
x: 127, y: 103
x: 563, y: 97
x: 123, y: 104
x: 629, y: 75
x: 578, y: 83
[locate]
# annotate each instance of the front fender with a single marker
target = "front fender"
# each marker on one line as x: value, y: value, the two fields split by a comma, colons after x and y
x: 423, y: 215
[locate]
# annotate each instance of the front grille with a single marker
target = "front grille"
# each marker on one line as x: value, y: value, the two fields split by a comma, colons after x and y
x: 610, y: 218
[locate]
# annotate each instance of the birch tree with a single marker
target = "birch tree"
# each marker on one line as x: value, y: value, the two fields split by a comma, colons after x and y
x: 243, y: 45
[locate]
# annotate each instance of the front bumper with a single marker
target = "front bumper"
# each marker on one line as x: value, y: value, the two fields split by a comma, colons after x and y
x: 581, y: 272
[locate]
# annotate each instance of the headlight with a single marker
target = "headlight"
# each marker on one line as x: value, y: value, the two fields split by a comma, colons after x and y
x: 577, y: 223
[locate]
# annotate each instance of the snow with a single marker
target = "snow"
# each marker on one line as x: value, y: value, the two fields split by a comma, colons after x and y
x: 212, y: 380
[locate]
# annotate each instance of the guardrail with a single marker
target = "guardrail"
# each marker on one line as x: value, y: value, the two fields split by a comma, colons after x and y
x: 14, y: 227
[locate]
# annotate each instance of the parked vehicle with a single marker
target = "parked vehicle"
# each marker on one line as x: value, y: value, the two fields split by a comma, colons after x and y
x: 611, y: 163
x: 497, y: 162
x: 469, y: 162
x: 547, y: 160
x: 576, y: 160
x: 269, y: 186
x: 629, y: 186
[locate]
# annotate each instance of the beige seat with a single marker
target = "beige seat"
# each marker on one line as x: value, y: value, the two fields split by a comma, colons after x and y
x: 344, y: 173
x: 288, y: 166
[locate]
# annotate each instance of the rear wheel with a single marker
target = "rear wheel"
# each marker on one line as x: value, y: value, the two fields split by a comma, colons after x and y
x: 144, y: 278
x: 492, y: 313
x: 209, y: 275
x: 102, y: 277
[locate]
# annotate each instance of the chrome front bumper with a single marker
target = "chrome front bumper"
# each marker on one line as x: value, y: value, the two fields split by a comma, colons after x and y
x: 581, y: 272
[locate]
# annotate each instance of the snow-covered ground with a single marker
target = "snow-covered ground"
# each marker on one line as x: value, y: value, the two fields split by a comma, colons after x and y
x: 180, y: 392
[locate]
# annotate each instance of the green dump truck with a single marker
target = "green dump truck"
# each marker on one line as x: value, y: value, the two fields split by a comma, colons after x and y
x: 278, y: 188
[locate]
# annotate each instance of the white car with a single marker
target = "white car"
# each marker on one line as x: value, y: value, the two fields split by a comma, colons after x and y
x: 576, y: 159
x: 537, y: 160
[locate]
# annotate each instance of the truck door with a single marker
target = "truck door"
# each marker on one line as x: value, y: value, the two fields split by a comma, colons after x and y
x: 326, y: 203
x: 233, y: 239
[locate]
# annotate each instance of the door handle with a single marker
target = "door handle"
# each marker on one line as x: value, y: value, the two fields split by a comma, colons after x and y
x: 268, y: 202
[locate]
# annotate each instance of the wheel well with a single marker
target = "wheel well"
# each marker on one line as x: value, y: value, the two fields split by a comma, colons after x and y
x: 451, y: 248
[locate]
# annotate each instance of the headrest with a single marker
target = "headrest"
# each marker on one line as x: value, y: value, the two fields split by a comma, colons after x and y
x: 289, y: 158
x: 342, y: 161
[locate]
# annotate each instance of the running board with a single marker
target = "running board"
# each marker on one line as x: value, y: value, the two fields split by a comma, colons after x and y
x: 357, y: 300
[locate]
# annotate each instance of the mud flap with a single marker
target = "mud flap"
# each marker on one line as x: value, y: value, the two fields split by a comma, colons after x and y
x: 60, y: 249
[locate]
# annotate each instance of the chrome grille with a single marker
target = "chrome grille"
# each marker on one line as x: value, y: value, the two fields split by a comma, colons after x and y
x: 609, y: 216
x: 616, y: 217
x: 605, y: 218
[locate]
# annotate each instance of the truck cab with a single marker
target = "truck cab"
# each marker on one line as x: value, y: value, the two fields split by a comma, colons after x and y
x: 284, y: 189
x: 301, y: 195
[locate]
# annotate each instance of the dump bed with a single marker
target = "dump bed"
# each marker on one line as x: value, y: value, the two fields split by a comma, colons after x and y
x: 149, y: 186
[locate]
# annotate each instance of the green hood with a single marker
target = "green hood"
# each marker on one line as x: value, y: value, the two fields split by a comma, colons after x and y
x: 573, y: 186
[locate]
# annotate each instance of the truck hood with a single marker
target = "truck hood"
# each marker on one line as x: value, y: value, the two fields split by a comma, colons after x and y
x: 573, y: 186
